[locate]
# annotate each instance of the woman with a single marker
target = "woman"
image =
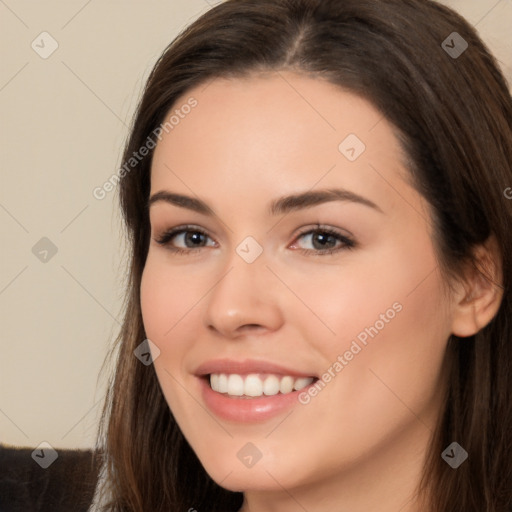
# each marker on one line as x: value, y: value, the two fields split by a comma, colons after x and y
x: 321, y: 242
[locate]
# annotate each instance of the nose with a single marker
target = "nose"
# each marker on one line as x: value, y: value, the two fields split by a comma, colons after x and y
x: 245, y: 299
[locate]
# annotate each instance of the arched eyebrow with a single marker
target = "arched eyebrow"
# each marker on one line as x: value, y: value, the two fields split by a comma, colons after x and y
x: 314, y: 197
x: 278, y: 206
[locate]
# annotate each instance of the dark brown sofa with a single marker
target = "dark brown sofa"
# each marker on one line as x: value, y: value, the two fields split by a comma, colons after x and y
x: 67, y: 485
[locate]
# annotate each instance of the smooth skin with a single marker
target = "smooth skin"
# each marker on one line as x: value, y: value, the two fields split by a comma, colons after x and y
x: 359, y: 444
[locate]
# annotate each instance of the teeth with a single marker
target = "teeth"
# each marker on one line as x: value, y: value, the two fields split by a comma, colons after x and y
x: 286, y: 384
x: 302, y: 383
x: 271, y: 385
x: 236, y: 385
x: 254, y: 385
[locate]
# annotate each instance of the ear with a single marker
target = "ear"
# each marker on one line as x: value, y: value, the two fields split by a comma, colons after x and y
x: 480, y: 293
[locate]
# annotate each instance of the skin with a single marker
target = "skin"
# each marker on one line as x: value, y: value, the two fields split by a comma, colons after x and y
x: 360, y: 443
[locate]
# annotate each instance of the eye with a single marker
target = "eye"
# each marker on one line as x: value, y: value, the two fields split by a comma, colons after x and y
x: 325, y: 240
x: 191, y: 235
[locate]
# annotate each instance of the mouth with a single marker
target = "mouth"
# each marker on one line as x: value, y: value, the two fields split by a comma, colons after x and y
x: 256, y: 385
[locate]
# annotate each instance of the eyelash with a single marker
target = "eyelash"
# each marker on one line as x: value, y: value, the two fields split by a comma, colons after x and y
x: 347, y: 243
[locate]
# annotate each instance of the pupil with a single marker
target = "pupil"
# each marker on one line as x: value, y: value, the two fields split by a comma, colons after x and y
x: 193, y: 237
x: 322, y: 238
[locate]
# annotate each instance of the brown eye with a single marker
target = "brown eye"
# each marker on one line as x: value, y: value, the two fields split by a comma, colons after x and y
x: 325, y: 241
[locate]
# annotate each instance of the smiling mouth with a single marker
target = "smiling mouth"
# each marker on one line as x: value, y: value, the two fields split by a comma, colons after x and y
x: 255, y: 385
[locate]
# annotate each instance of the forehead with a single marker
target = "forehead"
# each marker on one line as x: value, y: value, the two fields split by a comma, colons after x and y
x: 274, y: 131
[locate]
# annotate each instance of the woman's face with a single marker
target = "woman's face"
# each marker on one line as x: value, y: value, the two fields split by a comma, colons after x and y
x: 258, y: 288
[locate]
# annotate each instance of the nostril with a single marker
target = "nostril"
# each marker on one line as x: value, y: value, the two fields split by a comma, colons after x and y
x: 250, y: 327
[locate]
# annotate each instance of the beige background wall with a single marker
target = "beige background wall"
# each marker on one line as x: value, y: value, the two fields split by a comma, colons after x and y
x: 63, y: 122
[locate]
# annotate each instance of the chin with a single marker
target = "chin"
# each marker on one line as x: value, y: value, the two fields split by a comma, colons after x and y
x: 231, y: 474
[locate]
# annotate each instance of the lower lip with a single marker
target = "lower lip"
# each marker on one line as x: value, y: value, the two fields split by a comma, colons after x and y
x: 248, y: 410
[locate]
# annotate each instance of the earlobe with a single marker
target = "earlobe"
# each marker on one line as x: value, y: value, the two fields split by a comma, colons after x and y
x: 480, y: 298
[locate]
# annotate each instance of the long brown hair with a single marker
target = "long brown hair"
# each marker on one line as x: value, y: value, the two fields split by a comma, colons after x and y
x: 453, y: 116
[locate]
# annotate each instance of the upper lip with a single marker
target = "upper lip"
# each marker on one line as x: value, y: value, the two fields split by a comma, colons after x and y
x: 246, y: 366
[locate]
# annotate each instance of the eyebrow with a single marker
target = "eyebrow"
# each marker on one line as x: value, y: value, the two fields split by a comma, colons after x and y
x: 278, y: 206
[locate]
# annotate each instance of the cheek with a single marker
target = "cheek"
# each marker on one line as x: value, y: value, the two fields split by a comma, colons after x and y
x: 164, y: 304
x: 391, y: 382
x: 397, y: 291
x: 156, y: 302
x: 166, y: 297
x: 391, y: 325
